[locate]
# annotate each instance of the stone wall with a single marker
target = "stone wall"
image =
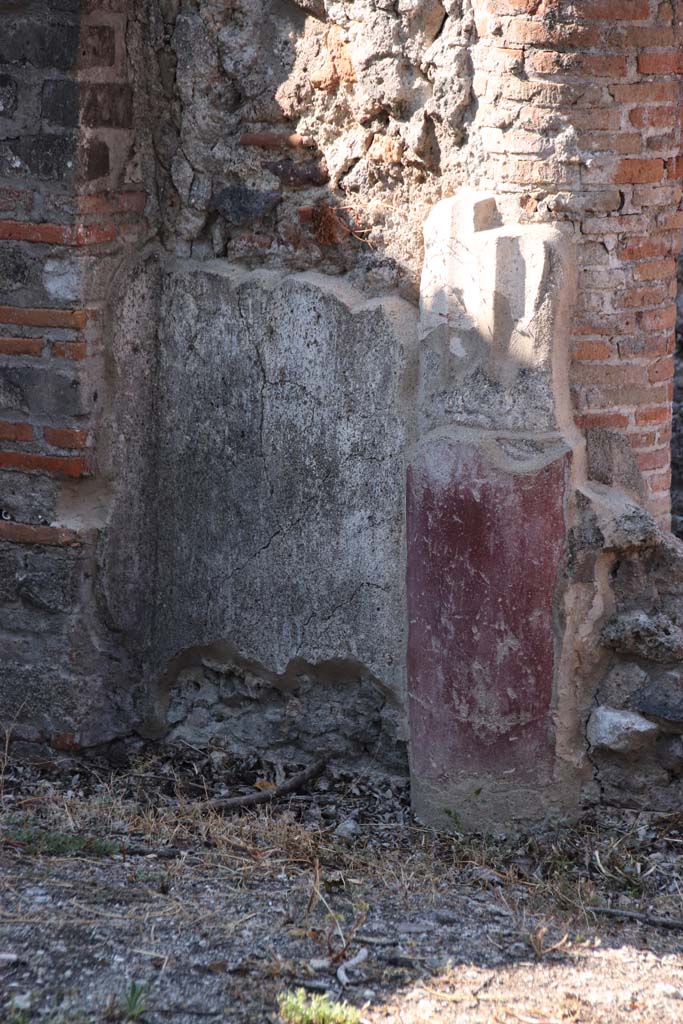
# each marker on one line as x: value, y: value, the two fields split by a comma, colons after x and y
x: 321, y: 134
x: 70, y: 204
x: 210, y: 375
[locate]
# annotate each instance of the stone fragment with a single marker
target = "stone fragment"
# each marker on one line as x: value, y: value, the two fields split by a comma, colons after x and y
x: 654, y: 637
x: 299, y: 175
x: 40, y: 391
x: 314, y: 7
x: 662, y: 699
x: 621, y: 682
x: 107, y: 105
x: 604, y: 201
x: 39, y: 41
x: 622, y: 732
x: 48, y: 157
x: 346, y: 830
x: 670, y: 753
x: 8, y: 96
x: 632, y: 528
x: 610, y: 460
x: 60, y: 102
x: 243, y: 206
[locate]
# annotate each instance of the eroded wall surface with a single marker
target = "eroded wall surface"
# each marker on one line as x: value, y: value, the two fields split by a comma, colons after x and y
x: 265, y: 491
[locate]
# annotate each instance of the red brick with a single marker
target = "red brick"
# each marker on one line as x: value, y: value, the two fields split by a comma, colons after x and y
x: 622, y: 143
x: 13, y: 200
x: 659, y: 482
x: 609, y: 375
x: 628, y: 223
x: 73, y: 318
x: 674, y: 168
x: 98, y: 46
x: 657, y: 459
x: 75, y: 350
x: 643, y: 440
x: 670, y: 63
x: 590, y: 350
x: 662, y: 370
x: 65, y: 437
x: 670, y: 221
x: 633, y: 298
x: 661, y: 511
x: 601, y: 396
x: 651, y: 117
x: 21, y: 346
x: 50, y: 234
x: 646, y: 92
x: 612, y: 10
x: 550, y: 62
x: 655, y: 270
x: 47, y: 536
x: 660, y: 415
x: 657, y: 345
x: 15, y: 431
x: 57, y: 234
x: 666, y: 196
x: 643, y: 37
x: 525, y: 32
x: 600, y: 119
x: 639, y: 172
x: 645, y: 248
x: 107, y: 105
x: 602, y: 419
x: 54, y: 465
x: 113, y: 203
x: 94, y: 234
x: 606, y: 326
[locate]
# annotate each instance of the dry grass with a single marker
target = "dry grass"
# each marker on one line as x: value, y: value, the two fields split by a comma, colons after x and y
x: 601, y: 859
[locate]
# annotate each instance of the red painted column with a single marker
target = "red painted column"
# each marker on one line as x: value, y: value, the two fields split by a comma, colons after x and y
x: 488, y: 484
x: 485, y: 546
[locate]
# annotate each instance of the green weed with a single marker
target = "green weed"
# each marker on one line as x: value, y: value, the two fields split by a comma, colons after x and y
x: 300, y: 1008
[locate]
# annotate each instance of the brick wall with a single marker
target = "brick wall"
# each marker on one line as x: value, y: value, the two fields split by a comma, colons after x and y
x: 68, y: 211
x: 580, y: 114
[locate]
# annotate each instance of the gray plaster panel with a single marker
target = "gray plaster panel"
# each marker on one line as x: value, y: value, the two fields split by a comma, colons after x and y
x: 275, y: 509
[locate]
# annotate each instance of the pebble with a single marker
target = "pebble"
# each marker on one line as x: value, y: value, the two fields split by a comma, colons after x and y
x: 669, y: 991
x: 346, y: 829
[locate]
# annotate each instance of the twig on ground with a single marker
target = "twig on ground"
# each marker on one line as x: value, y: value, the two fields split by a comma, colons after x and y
x: 633, y: 915
x: 266, y: 796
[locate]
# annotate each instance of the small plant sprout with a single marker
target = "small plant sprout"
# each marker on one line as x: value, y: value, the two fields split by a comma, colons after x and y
x: 135, y: 1002
x: 299, y: 1008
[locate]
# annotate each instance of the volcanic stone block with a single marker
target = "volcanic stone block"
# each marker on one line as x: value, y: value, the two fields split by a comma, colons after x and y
x: 654, y: 637
x: 60, y: 102
x: 37, y: 42
x: 40, y: 392
x: 48, y: 157
x: 622, y: 732
x: 8, y: 96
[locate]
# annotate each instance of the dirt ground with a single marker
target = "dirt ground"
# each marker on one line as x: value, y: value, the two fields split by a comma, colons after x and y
x: 125, y: 897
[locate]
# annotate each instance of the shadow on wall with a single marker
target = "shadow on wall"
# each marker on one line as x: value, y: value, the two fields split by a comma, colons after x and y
x: 677, y: 421
x: 295, y: 133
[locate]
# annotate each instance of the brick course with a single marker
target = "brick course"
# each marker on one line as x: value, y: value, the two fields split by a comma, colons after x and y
x: 609, y: 72
x: 64, y: 202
